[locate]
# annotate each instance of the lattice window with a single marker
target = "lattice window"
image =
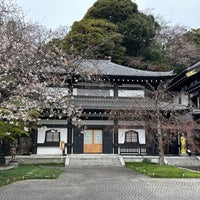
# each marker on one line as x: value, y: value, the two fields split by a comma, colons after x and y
x: 52, y: 136
x: 131, y: 136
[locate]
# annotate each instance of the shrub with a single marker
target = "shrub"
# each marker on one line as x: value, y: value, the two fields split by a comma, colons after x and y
x: 146, y: 160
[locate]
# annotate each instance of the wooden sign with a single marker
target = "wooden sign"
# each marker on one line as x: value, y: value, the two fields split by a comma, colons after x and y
x: 191, y: 73
x: 62, y: 145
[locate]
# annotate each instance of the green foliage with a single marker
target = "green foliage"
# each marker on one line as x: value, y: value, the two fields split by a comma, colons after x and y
x: 138, y: 32
x: 95, y: 39
x: 116, y: 28
x: 146, y: 160
x: 154, y: 59
x: 154, y: 55
x: 115, y: 11
x: 195, y: 35
x: 112, y: 28
x: 166, y: 171
x: 12, y: 129
x: 26, y: 172
x: 32, y: 118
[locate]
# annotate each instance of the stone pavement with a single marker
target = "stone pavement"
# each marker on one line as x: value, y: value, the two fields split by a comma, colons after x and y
x: 102, y: 183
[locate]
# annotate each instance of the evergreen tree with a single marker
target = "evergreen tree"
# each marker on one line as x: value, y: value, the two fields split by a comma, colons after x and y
x: 112, y: 28
x: 95, y: 38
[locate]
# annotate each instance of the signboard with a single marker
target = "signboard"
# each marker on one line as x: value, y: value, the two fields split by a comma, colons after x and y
x: 62, y: 145
x: 191, y: 73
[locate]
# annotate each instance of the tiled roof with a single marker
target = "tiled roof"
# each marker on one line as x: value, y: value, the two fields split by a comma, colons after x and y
x: 122, y: 104
x: 106, y: 67
x: 182, y: 79
x: 195, y: 66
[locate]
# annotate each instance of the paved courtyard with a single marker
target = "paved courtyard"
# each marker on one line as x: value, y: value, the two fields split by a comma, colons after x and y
x: 102, y: 184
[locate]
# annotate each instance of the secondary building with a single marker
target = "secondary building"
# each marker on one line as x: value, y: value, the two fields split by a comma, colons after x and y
x: 187, y: 90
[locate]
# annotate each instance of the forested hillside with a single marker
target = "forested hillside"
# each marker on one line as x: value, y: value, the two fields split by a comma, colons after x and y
x: 116, y: 29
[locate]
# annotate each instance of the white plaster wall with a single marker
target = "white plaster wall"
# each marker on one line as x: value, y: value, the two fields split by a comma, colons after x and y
x: 75, y: 91
x: 176, y: 99
x: 141, y: 135
x: 42, y: 131
x: 93, y: 92
x: 131, y: 93
x: 184, y: 99
x: 49, y: 151
x: 41, y: 135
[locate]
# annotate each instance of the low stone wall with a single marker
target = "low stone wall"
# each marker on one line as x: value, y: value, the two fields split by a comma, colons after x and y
x: 154, y: 159
x: 37, y: 159
x: 45, y: 159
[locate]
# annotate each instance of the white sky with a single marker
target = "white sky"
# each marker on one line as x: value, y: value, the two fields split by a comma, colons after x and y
x: 55, y: 13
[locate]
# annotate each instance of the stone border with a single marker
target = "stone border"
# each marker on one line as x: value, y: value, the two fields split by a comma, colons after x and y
x: 6, y: 168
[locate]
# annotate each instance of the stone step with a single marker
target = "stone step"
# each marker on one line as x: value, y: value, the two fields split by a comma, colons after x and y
x: 92, y: 160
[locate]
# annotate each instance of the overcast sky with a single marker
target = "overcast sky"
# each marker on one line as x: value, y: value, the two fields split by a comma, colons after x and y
x: 55, y: 13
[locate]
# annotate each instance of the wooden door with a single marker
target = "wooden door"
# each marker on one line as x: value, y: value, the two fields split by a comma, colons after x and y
x: 93, y: 141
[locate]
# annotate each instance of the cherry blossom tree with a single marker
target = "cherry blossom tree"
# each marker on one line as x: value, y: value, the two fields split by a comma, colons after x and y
x: 174, y: 47
x: 177, y: 48
x: 35, y: 74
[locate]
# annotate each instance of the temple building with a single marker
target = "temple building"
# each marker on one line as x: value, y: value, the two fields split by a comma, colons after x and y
x: 187, y: 88
x: 100, y: 130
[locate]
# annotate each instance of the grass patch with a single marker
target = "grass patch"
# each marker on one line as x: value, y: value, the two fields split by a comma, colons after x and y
x: 53, y: 164
x: 166, y: 171
x: 26, y: 172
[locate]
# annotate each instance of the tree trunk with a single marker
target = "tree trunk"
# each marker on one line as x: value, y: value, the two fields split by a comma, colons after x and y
x: 160, y: 142
x: 159, y: 131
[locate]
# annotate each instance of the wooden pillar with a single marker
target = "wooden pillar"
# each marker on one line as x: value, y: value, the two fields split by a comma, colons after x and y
x: 190, y: 100
x: 2, y: 155
x: 115, y: 123
x: 69, y: 139
x: 34, y: 135
x: 115, y: 136
x: 115, y: 90
x: 198, y: 100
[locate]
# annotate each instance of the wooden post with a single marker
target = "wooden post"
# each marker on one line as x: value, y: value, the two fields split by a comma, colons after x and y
x: 115, y: 136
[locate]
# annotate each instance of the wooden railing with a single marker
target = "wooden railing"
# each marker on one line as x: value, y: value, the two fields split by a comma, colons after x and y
x: 132, y: 149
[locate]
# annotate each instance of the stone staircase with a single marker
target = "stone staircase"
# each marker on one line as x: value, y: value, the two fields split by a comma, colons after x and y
x: 94, y: 160
x: 183, y: 161
x: 111, y: 160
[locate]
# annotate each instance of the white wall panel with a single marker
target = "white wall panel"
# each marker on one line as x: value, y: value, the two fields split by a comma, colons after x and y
x: 48, y: 151
x: 42, y: 131
x: 131, y: 93
x: 141, y: 135
x: 184, y: 99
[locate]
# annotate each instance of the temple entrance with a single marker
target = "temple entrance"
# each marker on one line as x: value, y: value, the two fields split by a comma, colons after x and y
x: 93, y: 141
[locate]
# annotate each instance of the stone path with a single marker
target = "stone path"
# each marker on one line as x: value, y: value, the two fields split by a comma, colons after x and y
x: 102, y: 183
